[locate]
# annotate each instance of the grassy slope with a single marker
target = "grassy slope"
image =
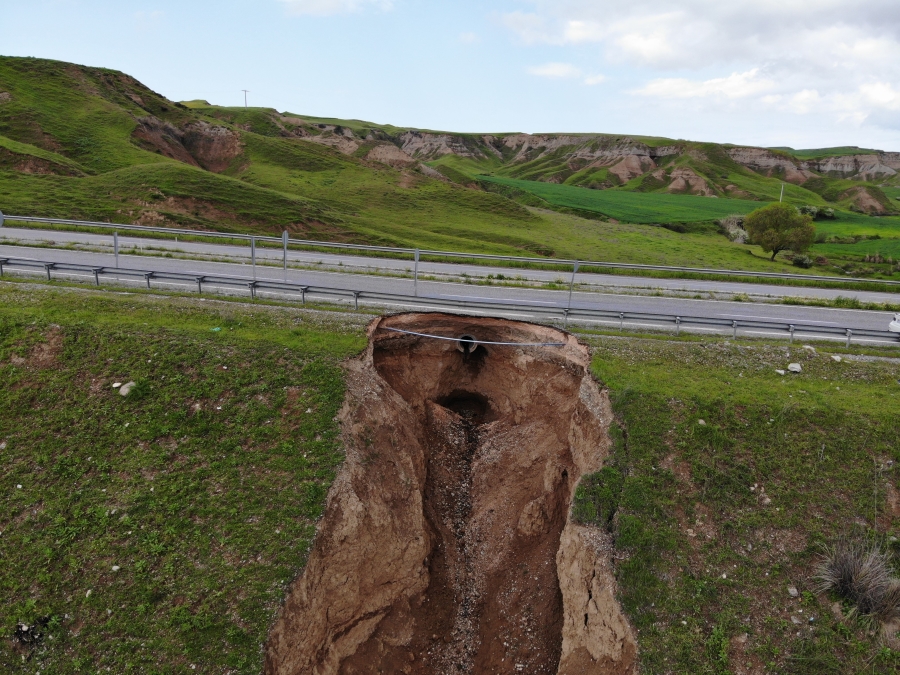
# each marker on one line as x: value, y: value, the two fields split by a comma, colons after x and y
x: 81, y: 120
x: 203, y: 485
x: 205, y: 555
x: 705, y: 565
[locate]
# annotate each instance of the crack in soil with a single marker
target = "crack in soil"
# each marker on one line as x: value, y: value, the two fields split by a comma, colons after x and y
x: 446, y: 547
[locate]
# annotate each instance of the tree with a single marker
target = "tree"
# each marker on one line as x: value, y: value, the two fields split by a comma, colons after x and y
x: 780, y: 227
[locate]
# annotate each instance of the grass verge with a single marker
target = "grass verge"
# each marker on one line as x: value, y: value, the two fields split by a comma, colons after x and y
x: 158, y: 531
x: 725, y: 482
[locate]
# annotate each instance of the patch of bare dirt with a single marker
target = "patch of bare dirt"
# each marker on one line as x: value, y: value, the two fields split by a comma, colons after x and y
x: 46, y: 354
x: 162, y: 137
x: 5, y: 97
x: 34, y: 165
x: 863, y: 200
x: 446, y: 546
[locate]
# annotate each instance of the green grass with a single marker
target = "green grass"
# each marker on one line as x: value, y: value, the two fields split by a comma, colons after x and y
x: 632, y: 207
x: 210, y: 513
x: 203, y: 485
x: 677, y: 497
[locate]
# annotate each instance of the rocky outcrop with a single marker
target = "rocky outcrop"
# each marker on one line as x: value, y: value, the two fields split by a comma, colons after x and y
x: 859, y: 167
x: 213, y: 147
x: 767, y: 162
x: 685, y: 180
x: 424, y: 145
x: 447, y: 545
x: 199, y: 143
x: 631, y: 166
x: 390, y: 155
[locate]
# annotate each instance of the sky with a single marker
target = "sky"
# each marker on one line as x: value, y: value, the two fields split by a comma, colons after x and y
x: 797, y: 73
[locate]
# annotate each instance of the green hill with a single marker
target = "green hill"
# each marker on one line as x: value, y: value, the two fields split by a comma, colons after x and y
x: 92, y: 143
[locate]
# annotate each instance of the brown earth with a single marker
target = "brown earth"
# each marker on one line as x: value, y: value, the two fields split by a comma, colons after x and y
x: 863, y: 200
x: 385, y: 153
x: 446, y: 546
x: 34, y: 165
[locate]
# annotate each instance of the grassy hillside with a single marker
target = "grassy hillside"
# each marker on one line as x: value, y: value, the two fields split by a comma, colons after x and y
x: 726, y: 482
x: 203, y: 486
x: 92, y: 143
x: 157, y: 532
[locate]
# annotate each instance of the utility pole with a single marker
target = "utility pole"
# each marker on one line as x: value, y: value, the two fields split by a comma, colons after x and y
x: 246, y: 91
x: 781, y: 198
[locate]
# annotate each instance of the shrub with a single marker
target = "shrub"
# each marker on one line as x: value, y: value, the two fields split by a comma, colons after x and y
x: 861, y: 574
x: 733, y: 228
x: 802, y: 261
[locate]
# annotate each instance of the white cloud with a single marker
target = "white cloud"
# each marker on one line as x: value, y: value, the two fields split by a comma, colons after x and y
x: 591, y: 80
x: 838, y: 59
x: 555, y: 70
x: 468, y: 38
x: 327, y: 7
x: 736, y: 85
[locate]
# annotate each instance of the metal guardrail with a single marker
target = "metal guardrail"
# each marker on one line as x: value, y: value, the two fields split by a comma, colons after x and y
x: 305, y: 291
x: 417, y: 253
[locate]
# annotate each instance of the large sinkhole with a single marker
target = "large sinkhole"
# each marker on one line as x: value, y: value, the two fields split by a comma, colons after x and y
x: 446, y: 546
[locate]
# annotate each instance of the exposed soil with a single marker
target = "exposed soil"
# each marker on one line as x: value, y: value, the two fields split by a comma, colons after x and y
x: 446, y: 546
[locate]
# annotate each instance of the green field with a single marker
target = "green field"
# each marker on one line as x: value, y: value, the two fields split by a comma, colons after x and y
x: 631, y: 207
x: 205, y: 484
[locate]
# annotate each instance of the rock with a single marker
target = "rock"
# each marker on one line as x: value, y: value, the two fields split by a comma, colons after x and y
x: 780, y: 372
x: 3, y: 445
x: 796, y: 621
x: 126, y: 388
x: 116, y: 385
x: 809, y: 348
x: 116, y: 568
x: 835, y: 357
x: 702, y: 423
x: 792, y: 591
x: 795, y: 367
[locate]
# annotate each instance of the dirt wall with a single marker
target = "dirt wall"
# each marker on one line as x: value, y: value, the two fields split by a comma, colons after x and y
x: 446, y: 546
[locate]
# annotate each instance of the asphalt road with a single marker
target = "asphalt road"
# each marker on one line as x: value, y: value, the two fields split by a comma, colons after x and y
x: 599, y: 282
x: 842, y: 318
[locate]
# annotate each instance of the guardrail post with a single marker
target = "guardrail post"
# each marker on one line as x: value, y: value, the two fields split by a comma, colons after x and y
x: 356, y: 295
x: 3, y: 261
x: 253, y: 254
x: 96, y: 272
x: 416, y: 276
x: 284, y: 243
x: 734, y: 330
x: 116, y: 247
x: 199, y: 285
x: 677, y: 325
x: 1, y: 218
x: 566, y: 318
x: 849, y: 336
x: 147, y: 277
x: 791, y: 328
x: 303, y: 290
x: 621, y: 321
x: 48, y: 267
x: 572, y: 285
x: 252, y: 286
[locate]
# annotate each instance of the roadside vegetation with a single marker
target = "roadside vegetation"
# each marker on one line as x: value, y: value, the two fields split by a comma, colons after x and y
x: 158, y: 531
x: 727, y: 484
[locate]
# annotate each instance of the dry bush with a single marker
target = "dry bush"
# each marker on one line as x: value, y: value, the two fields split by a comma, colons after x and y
x: 861, y: 573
